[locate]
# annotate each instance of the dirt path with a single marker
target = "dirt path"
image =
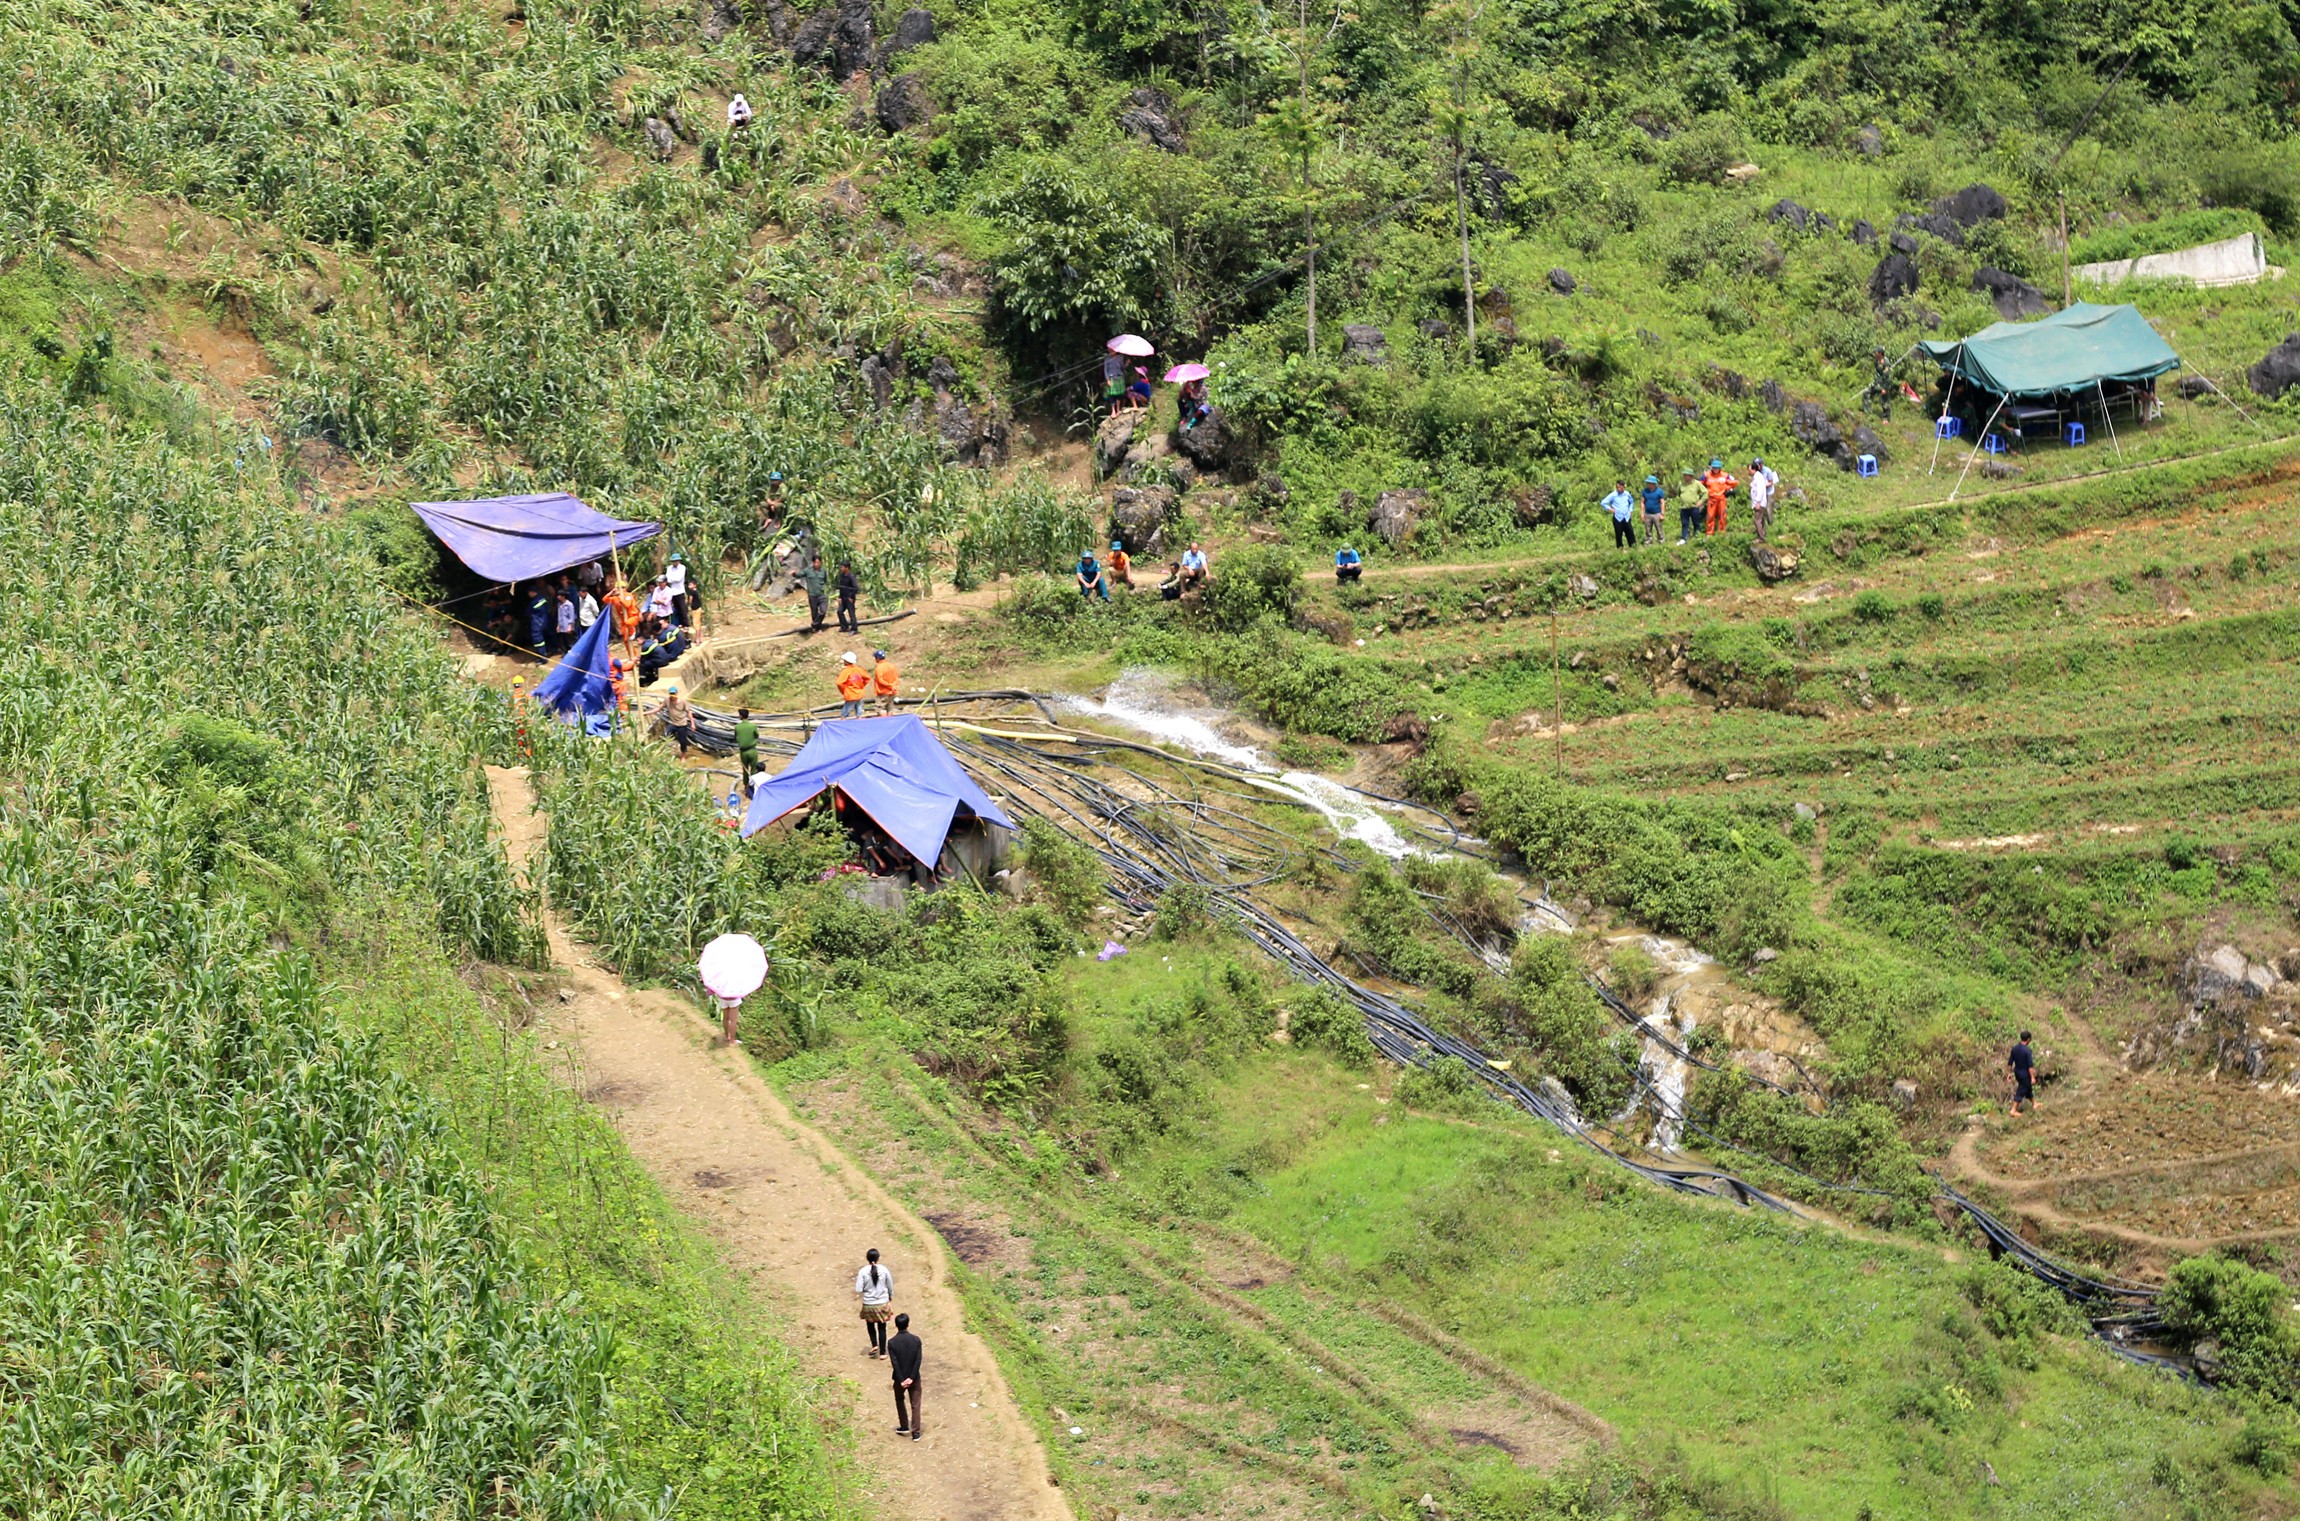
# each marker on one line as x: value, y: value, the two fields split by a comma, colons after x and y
x: 796, y: 1215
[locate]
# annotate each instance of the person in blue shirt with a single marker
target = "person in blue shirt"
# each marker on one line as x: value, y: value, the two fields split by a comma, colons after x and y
x: 539, y: 620
x: 1653, y: 498
x: 1347, y: 566
x: 1623, y: 506
x: 1090, y: 579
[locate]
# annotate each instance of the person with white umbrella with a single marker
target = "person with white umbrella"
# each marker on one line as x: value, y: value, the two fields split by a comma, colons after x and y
x: 732, y: 967
x: 1115, y: 353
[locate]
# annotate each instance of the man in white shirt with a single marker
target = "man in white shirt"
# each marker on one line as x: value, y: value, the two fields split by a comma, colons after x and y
x: 738, y: 114
x: 659, y: 600
x: 587, y: 611
x: 676, y: 574
x: 1764, y: 486
x: 1193, y: 567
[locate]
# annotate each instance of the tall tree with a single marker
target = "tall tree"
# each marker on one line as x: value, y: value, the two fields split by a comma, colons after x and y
x: 1300, y: 120
x: 1454, y: 108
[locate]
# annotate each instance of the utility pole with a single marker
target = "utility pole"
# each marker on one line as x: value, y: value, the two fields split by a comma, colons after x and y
x: 1557, y: 691
x: 2066, y: 290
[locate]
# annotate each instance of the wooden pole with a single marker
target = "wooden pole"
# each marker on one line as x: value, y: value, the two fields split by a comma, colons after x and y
x: 2065, y: 288
x: 1557, y: 692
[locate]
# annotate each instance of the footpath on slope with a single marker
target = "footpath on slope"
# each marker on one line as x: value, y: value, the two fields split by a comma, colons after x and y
x: 796, y: 1216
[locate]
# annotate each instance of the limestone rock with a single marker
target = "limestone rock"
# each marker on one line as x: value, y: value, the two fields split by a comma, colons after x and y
x: 2278, y: 369
x: 1894, y: 277
x: 2213, y: 973
x: 1207, y: 445
x: 2014, y: 297
x: 1772, y: 562
x: 719, y: 18
x: 1363, y: 343
x: 903, y: 103
x: 1396, y: 514
x: 1140, y: 516
x: 913, y: 29
x: 1112, y: 438
x: 660, y: 138
x: 1789, y: 214
x: 1562, y: 281
x: 1150, y: 116
x: 1904, y: 1094
x: 1864, y: 232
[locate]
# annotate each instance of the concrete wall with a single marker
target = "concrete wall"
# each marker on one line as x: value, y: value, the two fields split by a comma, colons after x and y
x: 2232, y: 261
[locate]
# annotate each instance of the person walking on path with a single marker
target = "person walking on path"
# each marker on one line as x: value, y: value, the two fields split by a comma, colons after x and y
x: 1652, y: 497
x: 2022, y: 1065
x: 1718, y: 485
x: 1691, y: 501
x: 905, y: 1354
x: 812, y: 579
x: 1347, y: 566
x: 1764, y: 487
x: 1623, y: 506
x: 746, y: 747
x: 848, y: 589
x: 854, y: 681
x: 874, y: 1291
x: 678, y: 719
x: 1090, y: 580
x: 885, y: 682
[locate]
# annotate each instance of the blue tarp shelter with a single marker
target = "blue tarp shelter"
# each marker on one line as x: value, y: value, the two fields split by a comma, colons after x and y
x: 518, y: 538
x: 580, y: 683
x: 2075, y: 349
x: 893, y: 769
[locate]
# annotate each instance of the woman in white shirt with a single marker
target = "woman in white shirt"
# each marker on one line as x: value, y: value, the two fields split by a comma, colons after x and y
x: 874, y: 1286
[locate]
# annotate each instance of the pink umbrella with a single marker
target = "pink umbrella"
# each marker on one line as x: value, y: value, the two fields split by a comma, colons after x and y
x: 1127, y: 343
x: 1183, y: 372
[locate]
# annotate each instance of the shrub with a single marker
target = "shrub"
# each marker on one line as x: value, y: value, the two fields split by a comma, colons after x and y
x: 1064, y: 873
x: 1633, y: 973
x: 1932, y: 606
x: 1700, y: 154
x: 1256, y: 582
x: 1184, y: 911
x: 1318, y: 1020
x: 2247, y: 1312
x: 1873, y: 607
x: 1446, y: 1086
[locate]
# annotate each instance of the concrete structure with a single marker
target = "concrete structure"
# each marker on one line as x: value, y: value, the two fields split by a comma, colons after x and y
x: 2232, y: 261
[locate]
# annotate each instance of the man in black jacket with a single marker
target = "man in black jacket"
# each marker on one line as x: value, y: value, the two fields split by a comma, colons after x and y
x: 905, y: 1354
x: 848, y: 589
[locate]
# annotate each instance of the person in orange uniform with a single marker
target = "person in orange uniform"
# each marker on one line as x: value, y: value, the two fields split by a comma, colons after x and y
x: 1719, y: 483
x: 885, y: 681
x: 625, y: 609
x: 854, y: 681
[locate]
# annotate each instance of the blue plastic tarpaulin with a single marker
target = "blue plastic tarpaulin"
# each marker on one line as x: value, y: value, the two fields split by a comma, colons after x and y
x: 517, y: 538
x: 893, y: 769
x: 581, y: 682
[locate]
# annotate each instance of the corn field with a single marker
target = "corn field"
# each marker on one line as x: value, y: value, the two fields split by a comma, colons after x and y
x: 240, y: 1272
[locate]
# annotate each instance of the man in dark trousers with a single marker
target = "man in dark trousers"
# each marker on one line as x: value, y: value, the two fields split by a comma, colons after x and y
x: 905, y: 1354
x: 812, y: 579
x: 2022, y: 1064
x: 848, y: 589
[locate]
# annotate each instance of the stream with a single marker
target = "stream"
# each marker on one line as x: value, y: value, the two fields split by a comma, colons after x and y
x: 1690, y: 985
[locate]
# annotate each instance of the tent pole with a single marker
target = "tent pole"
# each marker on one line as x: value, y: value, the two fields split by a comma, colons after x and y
x: 1976, y: 454
x: 2102, y: 392
x: 1946, y: 398
x: 2240, y: 412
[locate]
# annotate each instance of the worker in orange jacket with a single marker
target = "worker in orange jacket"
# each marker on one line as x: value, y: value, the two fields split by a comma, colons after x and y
x: 885, y: 681
x: 854, y: 681
x: 1719, y: 483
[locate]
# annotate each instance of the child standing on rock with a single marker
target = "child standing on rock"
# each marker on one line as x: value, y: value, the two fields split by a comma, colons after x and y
x: 874, y: 1287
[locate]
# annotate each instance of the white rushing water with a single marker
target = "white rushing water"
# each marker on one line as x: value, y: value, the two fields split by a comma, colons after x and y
x: 1145, y: 702
x: 1667, y: 1018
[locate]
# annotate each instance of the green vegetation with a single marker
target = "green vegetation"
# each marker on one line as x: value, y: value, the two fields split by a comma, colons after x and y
x: 247, y: 1258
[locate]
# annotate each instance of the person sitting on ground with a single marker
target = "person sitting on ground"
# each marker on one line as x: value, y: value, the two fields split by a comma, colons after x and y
x: 746, y: 747
x: 1652, y: 496
x: 854, y: 681
x: 738, y: 113
x: 1692, y: 503
x: 661, y: 644
x: 771, y: 510
x: 2022, y: 1065
x: 1623, y: 507
x: 1171, y: 588
x: 885, y: 682
x: 1138, y: 389
x: 1347, y: 566
x: 678, y: 719
x: 1194, y: 568
x: 1193, y: 405
x: 1120, y: 570
x: 1090, y: 582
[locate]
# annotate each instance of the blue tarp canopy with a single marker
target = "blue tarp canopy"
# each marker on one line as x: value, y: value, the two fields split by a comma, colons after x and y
x: 2074, y: 349
x: 580, y: 682
x: 893, y: 769
x: 518, y: 538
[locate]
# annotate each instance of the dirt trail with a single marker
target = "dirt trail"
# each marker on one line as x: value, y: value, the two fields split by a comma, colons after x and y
x: 796, y: 1215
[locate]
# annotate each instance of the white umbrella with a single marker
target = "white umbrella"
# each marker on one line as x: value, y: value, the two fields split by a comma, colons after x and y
x: 732, y: 967
x: 1128, y: 343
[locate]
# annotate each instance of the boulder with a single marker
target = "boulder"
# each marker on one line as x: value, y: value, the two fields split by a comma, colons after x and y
x: 1938, y: 223
x: 1560, y: 1102
x: 1869, y: 142
x: 1772, y: 563
x: 1532, y: 506
x: 1206, y: 446
x: 880, y: 381
x: 1904, y: 1094
x: 1150, y: 116
x: 2013, y: 297
x: 1396, y: 514
x: 1112, y: 439
x: 2212, y: 973
x: 2278, y: 369
x: 1775, y: 398
x: 1583, y: 585
x: 2190, y: 387
x: 1270, y: 493
x: 719, y: 18
x: 1901, y: 241
x: 903, y: 103
x: 1789, y: 214
x: 1894, y: 277
x: 1864, y: 233
x: 1809, y: 421
x: 1972, y: 206
x: 973, y: 438
x: 1363, y: 343
x: 1140, y: 516
x: 838, y: 39
x: 913, y: 29
x: 2260, y: 980
x: 1562, y: 281
x: 1434, y: 330
x: 661, y: 140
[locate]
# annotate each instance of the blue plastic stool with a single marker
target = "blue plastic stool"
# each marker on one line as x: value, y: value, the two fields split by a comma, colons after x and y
x: 1866, y: 464
x: 2075, y: 434
x: 1994, y: 443
x: 1949, y: 427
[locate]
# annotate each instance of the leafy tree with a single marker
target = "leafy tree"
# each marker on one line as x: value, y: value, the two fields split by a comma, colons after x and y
x: 1076, y: 257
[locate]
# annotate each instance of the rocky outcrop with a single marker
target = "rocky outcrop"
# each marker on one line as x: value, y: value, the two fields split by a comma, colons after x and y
x: 1894, y: 277
x: 838, y: 40
x: 1396, y: 514
x: 1150, y: 116
x: 661, y: 140
x: 1140, y: 517
x: 1207, y: 445
x: 719, y: 18
x: 1363, y: 343
x: 913, y: 29
x: 1112, y: 438
x: 903, y: 103
x: 1561, y: 280
x: 2278, y: 369
x: 2013, y: 297
x: 1789, y: 214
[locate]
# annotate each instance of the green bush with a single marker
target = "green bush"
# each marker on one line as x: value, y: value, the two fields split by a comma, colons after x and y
x: 1256, y: 582
x: 1063, y: 872
x: 1446, y: 1086
x: 2247, y: 1313
x: 1318, y: 1020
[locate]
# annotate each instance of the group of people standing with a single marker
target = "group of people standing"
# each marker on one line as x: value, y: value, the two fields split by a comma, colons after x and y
x: 1703, y: 501
x: 882, y: 681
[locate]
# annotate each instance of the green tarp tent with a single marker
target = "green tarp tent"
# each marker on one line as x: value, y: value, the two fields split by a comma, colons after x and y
x: 2071, y: 350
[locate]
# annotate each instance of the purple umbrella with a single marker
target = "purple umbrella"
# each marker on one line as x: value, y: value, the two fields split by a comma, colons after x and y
x: 1183, y: 372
